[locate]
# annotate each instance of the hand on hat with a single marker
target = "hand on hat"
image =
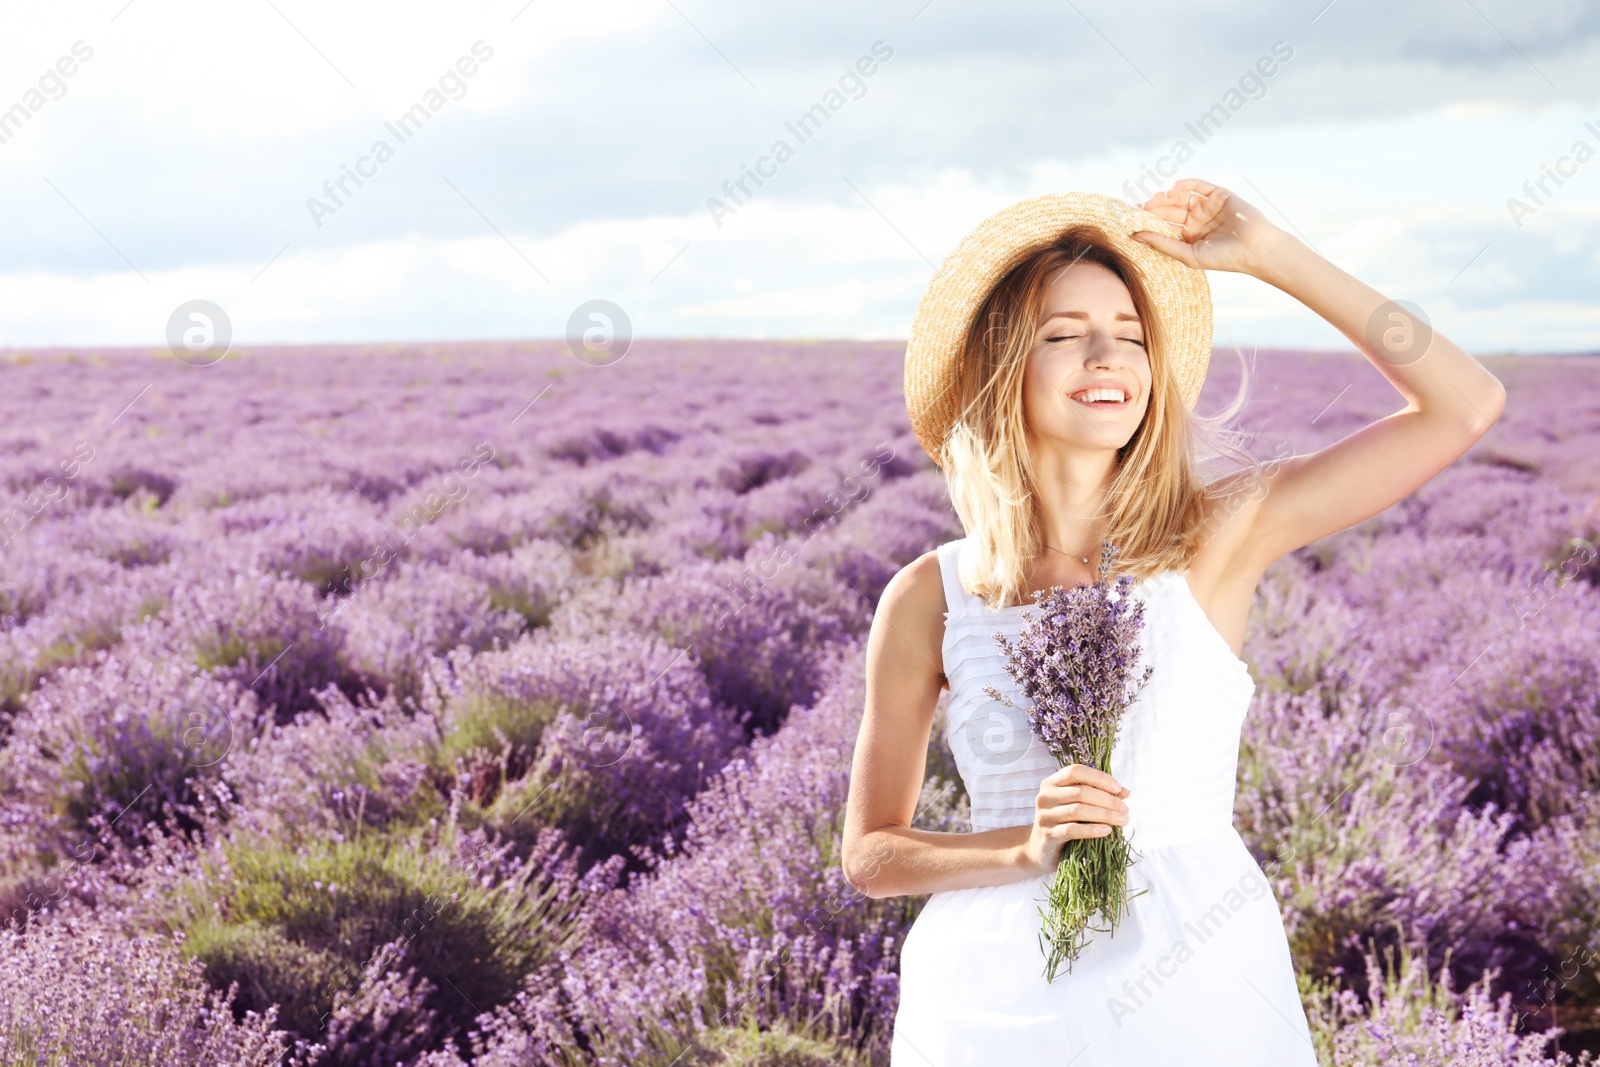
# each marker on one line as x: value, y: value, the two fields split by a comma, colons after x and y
x: 1220, y: 230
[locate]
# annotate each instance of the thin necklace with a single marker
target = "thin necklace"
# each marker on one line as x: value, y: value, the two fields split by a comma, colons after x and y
x: 1080, y: 559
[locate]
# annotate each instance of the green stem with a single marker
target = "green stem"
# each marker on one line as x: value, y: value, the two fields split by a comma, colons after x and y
x: 1090, y: 883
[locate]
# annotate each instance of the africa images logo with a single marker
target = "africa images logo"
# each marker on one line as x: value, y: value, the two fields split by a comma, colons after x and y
x: 407, y: 126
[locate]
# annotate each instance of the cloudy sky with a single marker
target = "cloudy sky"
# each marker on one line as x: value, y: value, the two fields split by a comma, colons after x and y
x: 196, y: 151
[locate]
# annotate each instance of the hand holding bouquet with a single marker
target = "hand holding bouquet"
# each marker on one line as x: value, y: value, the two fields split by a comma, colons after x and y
x: 1075, y: 659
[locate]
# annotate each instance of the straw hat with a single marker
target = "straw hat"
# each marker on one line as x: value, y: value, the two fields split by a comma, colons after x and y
x: 1181, y: 295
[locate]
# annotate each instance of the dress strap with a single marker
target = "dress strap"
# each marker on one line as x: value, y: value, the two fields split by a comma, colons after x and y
x: 956, y: 599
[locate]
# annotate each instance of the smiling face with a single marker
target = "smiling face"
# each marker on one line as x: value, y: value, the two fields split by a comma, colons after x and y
x: 1088, y: 337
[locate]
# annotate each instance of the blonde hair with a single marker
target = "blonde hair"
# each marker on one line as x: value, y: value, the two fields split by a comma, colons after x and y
x: 1156, y: 502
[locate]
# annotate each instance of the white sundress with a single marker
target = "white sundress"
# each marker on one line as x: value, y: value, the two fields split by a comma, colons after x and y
x: 1198, y: 971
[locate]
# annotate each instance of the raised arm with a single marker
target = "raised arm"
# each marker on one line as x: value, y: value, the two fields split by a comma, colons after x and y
x: 1451, y: 400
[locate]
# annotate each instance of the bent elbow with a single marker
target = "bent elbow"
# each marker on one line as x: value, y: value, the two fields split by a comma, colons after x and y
x: 1487, y: 411
x: 859, y: 883
x: 863, y: 869
x: 1498, y: 400
x: 1475, y: 413
x: 860, y: 877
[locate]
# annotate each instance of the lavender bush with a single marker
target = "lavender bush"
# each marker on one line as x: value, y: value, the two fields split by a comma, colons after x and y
x: 1414, y: 1018
x: 79, y: 993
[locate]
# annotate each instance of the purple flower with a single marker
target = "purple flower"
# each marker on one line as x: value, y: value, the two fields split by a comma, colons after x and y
x: 1074, y: 662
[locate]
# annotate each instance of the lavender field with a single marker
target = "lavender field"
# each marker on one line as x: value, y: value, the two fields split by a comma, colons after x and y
x: 469, y: 704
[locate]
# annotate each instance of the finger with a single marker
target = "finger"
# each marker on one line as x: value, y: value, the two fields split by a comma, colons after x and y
x: 1080, y: 774
x: 1088, y: 794
x: 1203, y: 215
x: 1182, y: 200
x: 1082, y: 813
x: 1192, y: 210
x: 1076, y: 774
x: 1052, y: 795
x: 1077, y: 831
x: 1193, y: 185
x: 1173, y: 213
x: 1181, y: 251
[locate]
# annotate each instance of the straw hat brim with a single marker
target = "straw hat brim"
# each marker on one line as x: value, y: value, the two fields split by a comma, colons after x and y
x: 1180, y: 293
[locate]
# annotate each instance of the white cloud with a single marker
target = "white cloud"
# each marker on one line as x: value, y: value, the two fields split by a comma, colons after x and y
x: 592, y: 138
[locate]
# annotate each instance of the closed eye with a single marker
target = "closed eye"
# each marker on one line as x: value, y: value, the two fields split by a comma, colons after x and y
x: 1076, y: 336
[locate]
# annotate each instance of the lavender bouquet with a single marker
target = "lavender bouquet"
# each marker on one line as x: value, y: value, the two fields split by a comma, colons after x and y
x: 1075, y: 659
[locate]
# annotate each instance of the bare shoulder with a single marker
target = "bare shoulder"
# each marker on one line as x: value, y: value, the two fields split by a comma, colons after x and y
x: 919, y: 582
x: 908, y: 626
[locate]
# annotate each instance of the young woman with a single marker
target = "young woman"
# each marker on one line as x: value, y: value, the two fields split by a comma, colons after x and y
x: 1051, y: 373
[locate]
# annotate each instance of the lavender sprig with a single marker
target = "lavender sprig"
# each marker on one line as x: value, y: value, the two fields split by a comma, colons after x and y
x: 1075, y: 660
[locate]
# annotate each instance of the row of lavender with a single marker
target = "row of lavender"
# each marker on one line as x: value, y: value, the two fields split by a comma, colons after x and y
x: 475, y: 705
